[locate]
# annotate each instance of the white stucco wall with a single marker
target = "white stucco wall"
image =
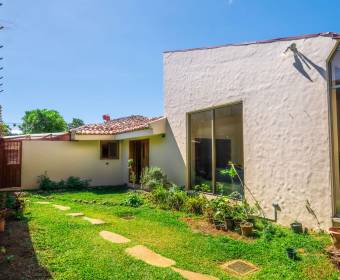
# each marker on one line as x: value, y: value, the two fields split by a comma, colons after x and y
x: 285, y: 117
x: 163, y: 153
x: 61, y: 159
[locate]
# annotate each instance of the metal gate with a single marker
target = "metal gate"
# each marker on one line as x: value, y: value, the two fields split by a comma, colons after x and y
x: 10, y: 164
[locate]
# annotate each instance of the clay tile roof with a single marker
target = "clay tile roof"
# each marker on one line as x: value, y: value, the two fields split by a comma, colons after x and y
x: 116, y: 126
x: 332, y: 35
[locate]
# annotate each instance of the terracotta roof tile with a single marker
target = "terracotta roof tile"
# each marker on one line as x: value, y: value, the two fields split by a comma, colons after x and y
x: 115, y: 126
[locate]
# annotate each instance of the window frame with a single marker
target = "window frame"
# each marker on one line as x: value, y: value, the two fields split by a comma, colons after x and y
x: 213, y: 162
x: 102, y: 142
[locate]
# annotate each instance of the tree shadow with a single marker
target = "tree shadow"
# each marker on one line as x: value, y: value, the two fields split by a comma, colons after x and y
x: 18, y: 259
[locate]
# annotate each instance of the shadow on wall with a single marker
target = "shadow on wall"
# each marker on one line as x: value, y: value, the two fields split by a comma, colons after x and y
x: 176, y: 171
x: 301, y: 61
x: 18, y: 259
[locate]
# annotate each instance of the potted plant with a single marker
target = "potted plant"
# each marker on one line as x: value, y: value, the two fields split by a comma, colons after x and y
x: 291, y: 253
x: 3, y: 215
x: 218, y: 216
x: 244, y: 214
x: 296, y: 227
x: 246, y: 228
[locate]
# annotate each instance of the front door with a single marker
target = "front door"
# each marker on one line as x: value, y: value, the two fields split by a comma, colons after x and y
x: 139, y: 153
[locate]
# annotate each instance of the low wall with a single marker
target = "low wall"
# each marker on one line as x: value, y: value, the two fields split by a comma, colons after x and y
x: 61, y: 159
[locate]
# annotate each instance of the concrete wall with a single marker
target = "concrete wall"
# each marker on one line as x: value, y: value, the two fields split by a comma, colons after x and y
x: 164, y: 153
x: 285, y: 116
x: 61, y: 159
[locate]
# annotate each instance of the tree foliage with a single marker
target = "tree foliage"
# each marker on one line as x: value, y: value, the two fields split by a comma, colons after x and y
x: 4, y: 129
x: 75, y: 123
x: 42, y: 120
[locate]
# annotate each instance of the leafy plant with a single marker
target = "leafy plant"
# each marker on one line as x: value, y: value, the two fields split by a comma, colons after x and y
x: 133, y: 200
x: 75, y: 183
x: 202, y: 188
x: 153, y: 177
x: 177, y: 199
x: 160, y: 196
x: 196, y: 204
x: 45, y: 183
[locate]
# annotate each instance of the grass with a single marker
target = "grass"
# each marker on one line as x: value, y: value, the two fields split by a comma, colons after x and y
x: 70, y: 248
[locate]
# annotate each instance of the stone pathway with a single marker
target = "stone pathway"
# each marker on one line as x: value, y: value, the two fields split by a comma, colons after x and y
x: 61, y: 207
x: 42, y: 202
x: 79, y: 214
x: 94, y: 221
x: 141, y: 252
x: 193, y: 275
x: 113, y: 237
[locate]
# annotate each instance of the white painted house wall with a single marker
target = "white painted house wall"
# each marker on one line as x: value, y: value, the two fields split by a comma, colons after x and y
x: 285, y: 117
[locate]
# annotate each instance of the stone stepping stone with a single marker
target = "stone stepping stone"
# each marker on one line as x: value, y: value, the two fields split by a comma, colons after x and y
x: 61, y: 207
x: 193, y: 275
x: 42, y: 202
x: 113, y: 237
x: 75, y: 214
x: 141, y: 252
x: 94, y: 221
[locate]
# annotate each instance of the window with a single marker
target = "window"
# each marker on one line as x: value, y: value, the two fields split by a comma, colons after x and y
x: 216, y: 139
x: 109, y: 150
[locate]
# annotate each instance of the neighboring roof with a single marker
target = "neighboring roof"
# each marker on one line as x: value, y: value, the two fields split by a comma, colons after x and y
x: 38, y: 136
x: 332, y: 35
x: 116, y: 126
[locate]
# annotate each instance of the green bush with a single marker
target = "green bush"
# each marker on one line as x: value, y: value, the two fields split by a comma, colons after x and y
x: 153, y: 177
x: 45, y: 183
x: 177, y: 199
x: 160, y: 197
x: 75, y: 183
x: 133, y: 200
x: 196, y: 204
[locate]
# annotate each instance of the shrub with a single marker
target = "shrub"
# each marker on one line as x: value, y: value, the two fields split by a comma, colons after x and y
x: 45, y: 183
x: 196, y: 204
x: 133, y: 200
x: 153, y: 177
x: 160, y: 197
x: 177, y: 199
x: 75, y: 183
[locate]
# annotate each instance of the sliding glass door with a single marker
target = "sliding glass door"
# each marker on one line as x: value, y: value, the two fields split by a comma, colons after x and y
x: 216, y: 141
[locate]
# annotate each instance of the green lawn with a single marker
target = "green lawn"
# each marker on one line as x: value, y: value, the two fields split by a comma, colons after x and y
x: 70, y: 248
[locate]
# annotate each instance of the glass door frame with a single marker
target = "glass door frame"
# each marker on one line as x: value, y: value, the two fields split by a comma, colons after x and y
x: 213, y: 148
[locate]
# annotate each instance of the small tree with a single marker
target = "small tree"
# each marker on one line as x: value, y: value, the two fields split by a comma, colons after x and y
x: 42, y: 120
x: 75, y: 123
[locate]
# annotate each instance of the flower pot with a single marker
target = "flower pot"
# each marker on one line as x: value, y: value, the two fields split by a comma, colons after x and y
x: 296, y: 227
x: 2, y: 224
x: 335, y: 233
x: 246, y: 229
x: 229, y: 224
x: 291, y: 253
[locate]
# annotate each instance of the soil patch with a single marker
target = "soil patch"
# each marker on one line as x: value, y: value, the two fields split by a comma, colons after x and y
x: 113, y: 237
x: 17, y: 255
x: 193, y: 275
x: 203, y: 226
x: 140, y: 252
x: 94, y: 221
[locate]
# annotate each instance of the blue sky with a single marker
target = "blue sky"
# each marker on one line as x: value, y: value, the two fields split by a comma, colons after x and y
x: 86, y: 58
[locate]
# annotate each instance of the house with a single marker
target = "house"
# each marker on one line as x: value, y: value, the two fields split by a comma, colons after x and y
x: 269, y: 107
